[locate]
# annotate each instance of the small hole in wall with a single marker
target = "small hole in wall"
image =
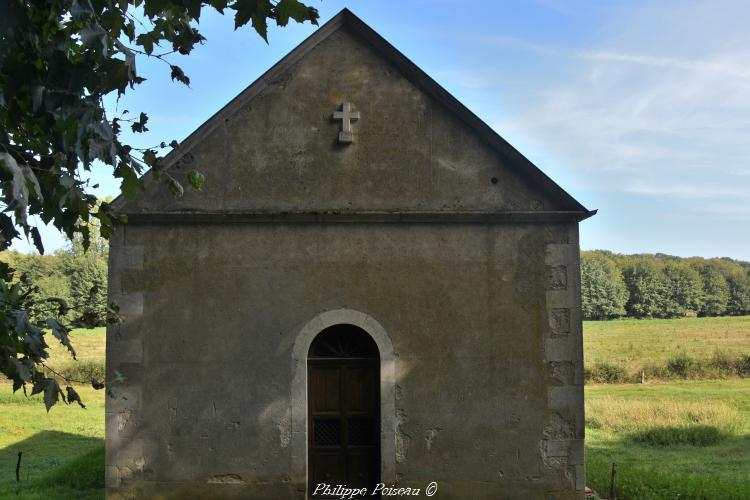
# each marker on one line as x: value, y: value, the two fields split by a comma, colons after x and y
x: 493, y: 180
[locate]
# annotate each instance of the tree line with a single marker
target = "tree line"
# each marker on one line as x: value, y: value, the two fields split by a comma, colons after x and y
x: 662, y: 286
x: 71, y: 279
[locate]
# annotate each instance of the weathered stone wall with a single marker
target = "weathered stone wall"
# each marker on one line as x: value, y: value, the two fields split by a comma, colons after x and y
x: 485, y: 326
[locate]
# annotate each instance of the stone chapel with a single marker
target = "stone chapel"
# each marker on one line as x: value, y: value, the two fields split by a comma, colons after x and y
x: 372, y: 289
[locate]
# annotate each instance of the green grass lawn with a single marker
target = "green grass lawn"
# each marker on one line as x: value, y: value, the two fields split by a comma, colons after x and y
x: 63, y: 450
x: 89, y: 346
x: 633, y: 343
x: 720, y: 470
x: 90, y: 351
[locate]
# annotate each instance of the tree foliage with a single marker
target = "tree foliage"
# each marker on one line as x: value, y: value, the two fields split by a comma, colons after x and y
x: 684, y: 290
x: 86, y: 271
x: 663, y: 286
x: 58, y: 60
x: 647, y: 289
x: 603, y: 292
x: 715, y: 291
x: 739, y: 292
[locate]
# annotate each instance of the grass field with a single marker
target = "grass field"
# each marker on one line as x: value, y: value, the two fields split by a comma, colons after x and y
x: 715, y: 415
x: 63, y: 450
x: 89, y: 346
x: 633, y: 343
x: 672, y: 440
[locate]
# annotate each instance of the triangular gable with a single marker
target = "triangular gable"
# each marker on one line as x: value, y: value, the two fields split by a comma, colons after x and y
x: 555, y: 198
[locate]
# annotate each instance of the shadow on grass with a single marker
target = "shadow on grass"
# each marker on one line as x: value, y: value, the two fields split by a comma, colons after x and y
x: 695, y: 435
x: 53, y: 465
x: 679, y: 471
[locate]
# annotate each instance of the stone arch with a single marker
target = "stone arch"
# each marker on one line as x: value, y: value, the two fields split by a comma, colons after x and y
x: 387, y: 389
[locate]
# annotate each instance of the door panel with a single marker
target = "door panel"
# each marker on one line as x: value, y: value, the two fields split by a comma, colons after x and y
x: 324, y: 394
x: 343, y: 422
x: 327, y: 467
x: 361, y: 469
x: 362, y: 432
x: 359, y: 390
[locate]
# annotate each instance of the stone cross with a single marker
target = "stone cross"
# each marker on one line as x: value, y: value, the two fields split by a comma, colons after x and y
x: 347, y: 116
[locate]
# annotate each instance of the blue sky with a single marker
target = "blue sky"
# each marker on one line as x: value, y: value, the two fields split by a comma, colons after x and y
x: 638, y: 109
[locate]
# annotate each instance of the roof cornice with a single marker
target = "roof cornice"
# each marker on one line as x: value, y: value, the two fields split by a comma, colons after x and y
x: 374, y: 217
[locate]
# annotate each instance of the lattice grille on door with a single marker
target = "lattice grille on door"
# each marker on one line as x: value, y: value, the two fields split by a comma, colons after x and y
x: 327, y: 432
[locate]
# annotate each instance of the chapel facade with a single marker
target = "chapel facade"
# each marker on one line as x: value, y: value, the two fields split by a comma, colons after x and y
x: 371, y: 288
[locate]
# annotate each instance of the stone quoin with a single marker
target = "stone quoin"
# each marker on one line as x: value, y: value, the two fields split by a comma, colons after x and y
x: 372, y: 287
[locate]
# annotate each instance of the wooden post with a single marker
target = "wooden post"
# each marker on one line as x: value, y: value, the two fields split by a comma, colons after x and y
x: 612, y: 487
x: 18, y: 467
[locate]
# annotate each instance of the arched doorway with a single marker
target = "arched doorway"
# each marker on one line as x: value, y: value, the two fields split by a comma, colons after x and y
x: 343, y: 401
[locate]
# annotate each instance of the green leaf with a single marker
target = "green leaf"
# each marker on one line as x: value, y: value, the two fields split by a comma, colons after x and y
x: 119, y: 377
x: 196, y: 179
x: 24, y: 372
x: 114, y: 392
x: 85, y: 237
x: 193, y: 8
x: 255, y: 10
x: 22, y: 321
x: 105, y: 223
x: 113, y: 313
x: 74, y: 397
x: 174, y: 187
x: 179, y: 75
x: 34, y: 344
x: 140, y: 125
x: 7, y: 231
x: 37, y: 239
x: 286, y: 9
x: 130, y: 185
x: 154, y: 7
x: 39, y: 386
x: 61, y: 333
x: 32, y: 182
x: 146, y: 41
x: 101, y: 142
x: 150, y: 158
x: 51, y: 393
x: 129, y: 30
x: 219, y: 5
x: 62, y: 305
x: 19, y: 192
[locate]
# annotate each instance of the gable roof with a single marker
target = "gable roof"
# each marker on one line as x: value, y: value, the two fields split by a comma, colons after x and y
x: 346, y: 19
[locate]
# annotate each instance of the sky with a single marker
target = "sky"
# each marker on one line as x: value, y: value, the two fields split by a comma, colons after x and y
x: 639, y: 109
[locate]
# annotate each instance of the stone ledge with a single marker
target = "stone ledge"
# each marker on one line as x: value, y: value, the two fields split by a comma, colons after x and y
x: 191, y: 217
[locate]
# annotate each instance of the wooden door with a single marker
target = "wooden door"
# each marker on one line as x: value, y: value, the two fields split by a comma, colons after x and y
x: 343, y: 413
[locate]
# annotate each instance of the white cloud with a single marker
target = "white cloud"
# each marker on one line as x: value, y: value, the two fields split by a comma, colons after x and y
x: 643, y: 115
x: 686, y: 191
x: 729, y: 68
